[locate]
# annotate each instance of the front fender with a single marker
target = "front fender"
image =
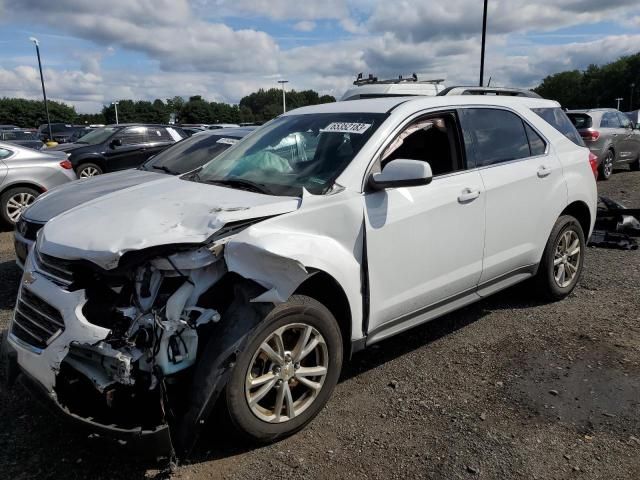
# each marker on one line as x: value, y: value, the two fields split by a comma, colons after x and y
x: 281, y: 261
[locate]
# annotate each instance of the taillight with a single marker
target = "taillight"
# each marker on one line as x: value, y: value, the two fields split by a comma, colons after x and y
x: 591, y: 135
x: 593, y: 161
x: 66, y: 164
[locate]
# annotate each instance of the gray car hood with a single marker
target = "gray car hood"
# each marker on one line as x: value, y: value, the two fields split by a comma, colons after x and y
x: 76, y: 193
x: 162, y: 212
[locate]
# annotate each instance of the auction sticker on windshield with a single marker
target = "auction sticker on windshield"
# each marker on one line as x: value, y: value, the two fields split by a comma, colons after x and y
x: 228, y: 141
x: 346, y: 127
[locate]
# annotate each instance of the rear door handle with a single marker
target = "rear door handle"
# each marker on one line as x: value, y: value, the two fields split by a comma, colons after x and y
x: 468, y: 195
x: 544, y: 171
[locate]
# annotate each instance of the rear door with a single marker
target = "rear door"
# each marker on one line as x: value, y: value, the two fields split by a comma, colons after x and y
x: 629, y: 140
x: 132, y: 151
x: 524, y: 187
x: 611, y: 127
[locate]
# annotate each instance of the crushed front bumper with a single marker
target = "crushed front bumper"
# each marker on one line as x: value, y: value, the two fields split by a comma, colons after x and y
x: 152, y: 442
x: 38, y: 367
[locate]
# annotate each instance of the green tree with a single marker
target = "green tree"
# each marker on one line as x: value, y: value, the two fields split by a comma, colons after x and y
x: 31, y: 113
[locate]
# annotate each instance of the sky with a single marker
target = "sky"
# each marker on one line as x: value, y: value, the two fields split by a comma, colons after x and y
x: 96, y: 52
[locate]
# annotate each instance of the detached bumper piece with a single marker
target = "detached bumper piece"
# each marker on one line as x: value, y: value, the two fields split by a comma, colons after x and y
x: 616, y: 226
x: 138, y: 423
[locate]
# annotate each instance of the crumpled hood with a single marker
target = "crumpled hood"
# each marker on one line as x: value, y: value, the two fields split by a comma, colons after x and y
x: 163, y: 212
x: 69, y: 195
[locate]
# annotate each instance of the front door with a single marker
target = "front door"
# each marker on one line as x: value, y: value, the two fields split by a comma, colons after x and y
x: 424, y: 244
x: 130, y: 153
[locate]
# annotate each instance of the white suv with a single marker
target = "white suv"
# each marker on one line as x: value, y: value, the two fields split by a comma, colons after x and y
x: 246, y: 283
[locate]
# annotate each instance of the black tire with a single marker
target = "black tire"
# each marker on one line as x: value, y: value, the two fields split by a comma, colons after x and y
x: 545, y: 280
x: 298, y: 310
x: 88, y: 170
x: 606, y: 167
x: 8, y: 202
x: 635, y: 166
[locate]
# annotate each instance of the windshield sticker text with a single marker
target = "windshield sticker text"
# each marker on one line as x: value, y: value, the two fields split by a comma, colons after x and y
x: 346, y: 127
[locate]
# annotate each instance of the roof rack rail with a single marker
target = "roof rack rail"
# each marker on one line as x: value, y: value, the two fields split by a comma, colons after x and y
x: 360, y: 80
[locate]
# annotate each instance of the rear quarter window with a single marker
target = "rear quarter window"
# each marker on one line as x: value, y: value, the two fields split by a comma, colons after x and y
x: 580, y: 120
x: 556, y: 117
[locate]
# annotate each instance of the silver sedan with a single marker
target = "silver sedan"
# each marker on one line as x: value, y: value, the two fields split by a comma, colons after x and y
x: 26, y: 173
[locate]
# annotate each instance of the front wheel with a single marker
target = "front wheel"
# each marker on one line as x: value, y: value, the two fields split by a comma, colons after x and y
x: 563, y: 259
x: 635, y: 166
x: 87, y: 170
x: 288, y: 371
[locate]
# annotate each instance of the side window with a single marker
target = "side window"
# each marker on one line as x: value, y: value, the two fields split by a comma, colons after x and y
x: 610, y: 120
x: 158, y: 134
x: 536, y: 144
x: 624, y: 120
x: 496, y: 136
x: 430, y: 139
x: 133, y: 136
x: 560, y: 121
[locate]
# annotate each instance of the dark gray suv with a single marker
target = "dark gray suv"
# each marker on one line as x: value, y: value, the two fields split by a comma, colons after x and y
x: 610, y: 136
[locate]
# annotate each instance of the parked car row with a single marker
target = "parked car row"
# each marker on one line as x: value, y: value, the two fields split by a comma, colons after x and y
x: 611, y: 136
x: 178, y: 159
x: 246, y: 282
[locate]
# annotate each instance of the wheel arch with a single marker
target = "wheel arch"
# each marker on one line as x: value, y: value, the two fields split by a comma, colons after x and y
x: 22, y: 183
x: 580, y: 211
x: 97, y: 159
x: 324, y: 288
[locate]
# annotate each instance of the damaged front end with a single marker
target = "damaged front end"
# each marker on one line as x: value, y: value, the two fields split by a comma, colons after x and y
x: 116, y: 349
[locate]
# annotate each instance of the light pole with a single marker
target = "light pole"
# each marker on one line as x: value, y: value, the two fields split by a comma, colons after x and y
x: 44, y: 92
x: 284, y: 100
x: 619, y: 99
x: 484, y: 37
x: 633, y: 85
x: 115, y: 105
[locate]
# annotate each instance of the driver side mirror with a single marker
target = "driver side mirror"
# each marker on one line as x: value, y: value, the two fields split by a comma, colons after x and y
x: 116, y: 142
x: 402, y: 173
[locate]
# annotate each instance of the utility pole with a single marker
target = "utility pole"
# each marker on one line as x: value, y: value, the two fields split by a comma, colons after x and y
x: 44, y: 92
x: 619, y: 99
x: 284, y: 100
x: 633, y: 85
x: 115, y: 105
x: 484, y: 38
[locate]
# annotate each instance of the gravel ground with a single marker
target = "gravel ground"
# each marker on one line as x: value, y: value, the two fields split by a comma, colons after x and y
x: 506, y: 388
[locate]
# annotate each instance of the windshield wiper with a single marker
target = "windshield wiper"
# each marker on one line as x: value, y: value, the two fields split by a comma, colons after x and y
x: 240, y: 183
x: 165, y: 169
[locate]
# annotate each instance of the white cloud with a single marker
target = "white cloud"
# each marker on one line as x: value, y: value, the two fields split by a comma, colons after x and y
x: 186, y: 54
x: 305, y: 26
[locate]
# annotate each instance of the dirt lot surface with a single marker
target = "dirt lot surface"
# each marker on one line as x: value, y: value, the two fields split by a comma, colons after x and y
x: 506, y: 388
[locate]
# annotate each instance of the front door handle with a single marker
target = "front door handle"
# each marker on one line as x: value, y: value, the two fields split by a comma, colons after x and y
x: 544, y: 171
x: 468, y: 195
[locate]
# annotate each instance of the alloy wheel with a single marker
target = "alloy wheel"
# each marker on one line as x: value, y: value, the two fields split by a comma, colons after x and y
x: 607, y: 166
x: 286, y: 373
x: 89, y: 172
x: 17, y: 204
x: 566, y: 259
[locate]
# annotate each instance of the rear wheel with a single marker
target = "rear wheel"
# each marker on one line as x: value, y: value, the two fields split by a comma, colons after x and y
x: 606, y: 167
x: 88, y: 170
x: 288, y: 371
x: 563, y: 259
x: 15, y: 201
x: 635, y: 166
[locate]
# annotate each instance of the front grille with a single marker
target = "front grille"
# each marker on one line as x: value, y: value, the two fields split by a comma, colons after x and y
x: 56, y: 269
x: 35, y: 321
x: 28, y: 229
